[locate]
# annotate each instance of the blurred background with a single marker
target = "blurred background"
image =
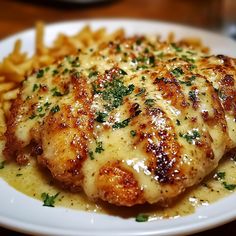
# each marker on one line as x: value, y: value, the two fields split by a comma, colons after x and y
x: 214, y: 15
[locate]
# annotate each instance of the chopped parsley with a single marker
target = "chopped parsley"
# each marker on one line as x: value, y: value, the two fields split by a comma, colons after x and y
x: 122, y: 124
x: 39, y: 109
x: 177, y: 49
x: 40, y: 73
x: 229, y: 186
x: 2, y: 164
x: 101, y: 116
x: 141, y: 67
x: 177, y: 72
x: 139, y: 41
x: 178, y: 122
x: 47, y: 104
x: 35, y: 87
x: 149, y: 102
x: 220, y: 175
x: 54, y: 72
x: 192, y: 67
x: 55, y: 109
x: 56, y: 93
x: 91, y: 155
x: 92, y: 74
x: 122, y: 72
x: 118, y: 48
x: 187, y: 59
x: 17, y: 175
x: 114, y: 93
x: 32, y: 116
x: 142, y: 218
x: 133, y: 133
x: 49, y: 200
x: 99, y: 147
x: 151, y: 60
x: 190, y: 136
x: 65, y: 71
x: 189, y: 81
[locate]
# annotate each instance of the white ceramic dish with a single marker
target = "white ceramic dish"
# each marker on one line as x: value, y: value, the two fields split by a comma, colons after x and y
x: 24, y: 214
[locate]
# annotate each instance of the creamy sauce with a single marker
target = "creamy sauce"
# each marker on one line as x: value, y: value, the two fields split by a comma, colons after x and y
x: 32, y: 180
x: 180, y: 94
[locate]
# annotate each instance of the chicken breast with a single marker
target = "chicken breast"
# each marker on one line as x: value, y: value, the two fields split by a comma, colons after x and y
x: 131, y: 121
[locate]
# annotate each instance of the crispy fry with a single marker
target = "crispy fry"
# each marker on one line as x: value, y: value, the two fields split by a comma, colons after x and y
x: 12, y: 94
x: 6, y: 86
x: 40, y: 49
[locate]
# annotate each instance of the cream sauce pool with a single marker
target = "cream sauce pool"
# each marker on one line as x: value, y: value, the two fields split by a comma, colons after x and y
x: 32, y: 180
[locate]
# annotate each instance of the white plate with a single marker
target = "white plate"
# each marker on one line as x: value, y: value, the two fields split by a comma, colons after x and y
x: 25, y: 214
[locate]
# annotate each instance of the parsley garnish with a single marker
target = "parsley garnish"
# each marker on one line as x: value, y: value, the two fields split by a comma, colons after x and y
x: 114, y: 93
x: 220, y: 175
x: 55, y: 109
x: 48, y: 200
x: 99, y: 147
x: 187, y: 59
x: 54, y: 72
x: 141, y: 218
x: 122, y: 124
x: 177, y: 72
x: 191, y: 136
x: 17, y: 175
x: 118, y: 49
x: 92, y: 73
x: 151, y: 60
x: 56, y: 93
x: 32, y: 116
x: 189, y: 81
x: 177, y: 49
x: 39, y: 109
x: 40, y: 73
x: 47, y: 104
x: 65, y: 71
x: 91, y: 155
x: 229, y: 186
x: 139, y: 41
x: 101, y: 117
x: 178, y: 122
x: 133, y: 133
x: 122, y: 72
x: 149, y: 102
x: 35, y: 87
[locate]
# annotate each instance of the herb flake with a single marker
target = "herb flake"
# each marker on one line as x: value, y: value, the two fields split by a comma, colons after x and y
x: 49, y: 200
x: 142, y: 218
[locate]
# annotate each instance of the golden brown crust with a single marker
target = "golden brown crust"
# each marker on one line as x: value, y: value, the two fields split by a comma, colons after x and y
x: 118, y: 186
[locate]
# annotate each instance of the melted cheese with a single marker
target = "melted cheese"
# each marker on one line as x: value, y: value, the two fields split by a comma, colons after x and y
x: 33, y: 181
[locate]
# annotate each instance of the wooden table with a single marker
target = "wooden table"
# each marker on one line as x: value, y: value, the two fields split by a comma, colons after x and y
x: 209, y: 14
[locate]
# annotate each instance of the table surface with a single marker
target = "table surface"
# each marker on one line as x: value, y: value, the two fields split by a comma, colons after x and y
x: 214, y: 15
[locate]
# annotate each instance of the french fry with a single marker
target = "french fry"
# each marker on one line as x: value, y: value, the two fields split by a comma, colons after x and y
x: 6, y: 86
x: 10, y: 95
